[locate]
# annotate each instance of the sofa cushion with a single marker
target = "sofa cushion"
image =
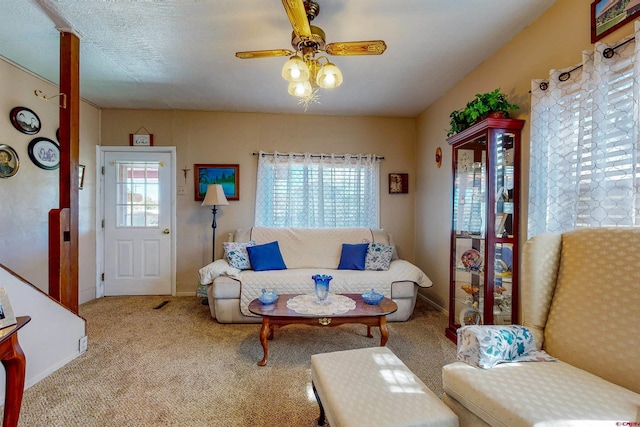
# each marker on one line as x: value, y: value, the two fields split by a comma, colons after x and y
x: 353, y: 256
x: 540, y: 394
x: 312, y: 247
x: 378, y: 256
x: 266, y: 257
x: 236, y: 254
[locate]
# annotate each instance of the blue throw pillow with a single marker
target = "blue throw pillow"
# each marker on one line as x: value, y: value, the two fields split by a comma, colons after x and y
x: 353, y: 256
x: 266, y: 257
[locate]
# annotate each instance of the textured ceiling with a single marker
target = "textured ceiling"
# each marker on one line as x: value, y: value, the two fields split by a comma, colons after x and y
x: 179, y: 54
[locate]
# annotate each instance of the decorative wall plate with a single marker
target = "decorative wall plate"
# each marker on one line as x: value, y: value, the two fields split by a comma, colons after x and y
x: 9, y: 162
x: 44, y: 153
x: 25, y: 120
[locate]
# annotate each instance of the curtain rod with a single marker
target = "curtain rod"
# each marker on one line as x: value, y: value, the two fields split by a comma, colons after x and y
x: 340, y: 156
x: 607, y: 53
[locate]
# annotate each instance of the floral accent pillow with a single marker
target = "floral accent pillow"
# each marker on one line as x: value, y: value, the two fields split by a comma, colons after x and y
x: 378, y: 257
x: 485, y: 346
x: 236, y: 254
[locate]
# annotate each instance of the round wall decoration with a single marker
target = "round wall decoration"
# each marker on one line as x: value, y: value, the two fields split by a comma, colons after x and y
x: 25, y: 120
x: 9, y: 162
x: 44, y: 153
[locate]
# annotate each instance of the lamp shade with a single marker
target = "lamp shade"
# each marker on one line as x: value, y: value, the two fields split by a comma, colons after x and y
x: 295, y: 70
x: 329, y: 76
x: 300, y: 89
x: 215, y: 196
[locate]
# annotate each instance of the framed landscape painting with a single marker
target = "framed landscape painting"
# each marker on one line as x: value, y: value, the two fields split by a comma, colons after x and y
x: 226, y: 175
x: 609, y: 15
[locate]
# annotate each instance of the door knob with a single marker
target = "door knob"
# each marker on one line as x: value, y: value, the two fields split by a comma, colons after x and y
x: 166, y: 231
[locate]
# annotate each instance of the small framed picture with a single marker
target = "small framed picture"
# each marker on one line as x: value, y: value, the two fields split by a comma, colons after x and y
x: 44, y: 153
x: 140, y: 140
x: 25, y: 120
x: 226, y: 175
x: 7, y: 317
x: 398, y: 183
x: 9, y: 162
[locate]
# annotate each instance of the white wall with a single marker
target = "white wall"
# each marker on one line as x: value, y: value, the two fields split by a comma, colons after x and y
x: 28, y: 196
x: 51, y: 339
x: 555, y: 40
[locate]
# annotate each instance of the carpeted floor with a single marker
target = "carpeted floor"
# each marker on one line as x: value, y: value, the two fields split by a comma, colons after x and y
x: 176, y: 366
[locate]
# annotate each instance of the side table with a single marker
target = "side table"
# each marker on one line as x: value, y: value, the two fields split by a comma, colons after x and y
x: 15, y: 363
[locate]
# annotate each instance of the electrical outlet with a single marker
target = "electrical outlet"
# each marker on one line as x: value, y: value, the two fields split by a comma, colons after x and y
x: 182, y: 191
x: 83, y: 344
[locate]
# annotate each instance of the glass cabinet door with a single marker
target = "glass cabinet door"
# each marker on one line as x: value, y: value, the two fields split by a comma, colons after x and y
x: 469, y: 225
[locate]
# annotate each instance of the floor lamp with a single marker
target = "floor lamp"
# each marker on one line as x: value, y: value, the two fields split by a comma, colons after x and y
x: 215, y: 197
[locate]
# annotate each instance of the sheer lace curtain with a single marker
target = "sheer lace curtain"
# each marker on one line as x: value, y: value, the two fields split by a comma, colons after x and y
x: 584, y: 142
x: 317, y: 190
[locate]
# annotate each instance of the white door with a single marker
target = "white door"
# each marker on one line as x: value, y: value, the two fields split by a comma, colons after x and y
x: 138, y: 238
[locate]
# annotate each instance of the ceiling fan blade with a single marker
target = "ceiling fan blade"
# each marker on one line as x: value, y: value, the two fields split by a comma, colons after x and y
x: 264, y: 53
x: 369, y: 47
x: 298, y: 17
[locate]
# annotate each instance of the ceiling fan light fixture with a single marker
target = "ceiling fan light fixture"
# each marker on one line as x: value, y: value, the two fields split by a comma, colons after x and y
x: 300, y: 89
x: 329, y: 76
x: 295, y: 70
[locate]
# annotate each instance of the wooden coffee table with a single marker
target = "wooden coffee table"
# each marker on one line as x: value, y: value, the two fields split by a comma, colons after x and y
x: 278, y: 315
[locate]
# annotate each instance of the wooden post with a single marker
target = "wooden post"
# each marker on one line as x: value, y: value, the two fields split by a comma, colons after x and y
x: 63, y: 222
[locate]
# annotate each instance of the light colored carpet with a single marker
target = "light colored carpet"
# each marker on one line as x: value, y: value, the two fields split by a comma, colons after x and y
x: 176, y: 366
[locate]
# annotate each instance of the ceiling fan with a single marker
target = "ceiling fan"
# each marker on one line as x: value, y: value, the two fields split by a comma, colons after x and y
x: 303, y: 70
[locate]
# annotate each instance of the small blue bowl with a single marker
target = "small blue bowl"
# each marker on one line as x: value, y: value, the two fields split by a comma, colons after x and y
x: 372, y: 298
x: 268, y: 297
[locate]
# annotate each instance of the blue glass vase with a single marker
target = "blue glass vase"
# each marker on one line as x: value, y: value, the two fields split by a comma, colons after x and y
x: 322, y: 288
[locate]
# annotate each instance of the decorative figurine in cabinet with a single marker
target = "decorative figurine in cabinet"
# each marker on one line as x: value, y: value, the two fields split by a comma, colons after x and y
x: 484, y: 232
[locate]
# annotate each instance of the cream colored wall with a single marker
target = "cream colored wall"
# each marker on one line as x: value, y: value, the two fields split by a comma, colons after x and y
x: 231, y: 138
x: 555, y: 40
x: 28, y: 196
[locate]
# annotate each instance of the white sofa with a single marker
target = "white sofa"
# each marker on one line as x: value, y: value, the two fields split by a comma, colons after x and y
x: 306, y: 252
x: 580, y: 297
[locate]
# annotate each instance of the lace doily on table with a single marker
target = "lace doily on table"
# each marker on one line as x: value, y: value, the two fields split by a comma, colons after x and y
x: 307, y: 304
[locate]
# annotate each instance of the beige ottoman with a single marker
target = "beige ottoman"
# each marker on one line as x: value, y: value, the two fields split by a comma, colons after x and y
x: 372, y: 387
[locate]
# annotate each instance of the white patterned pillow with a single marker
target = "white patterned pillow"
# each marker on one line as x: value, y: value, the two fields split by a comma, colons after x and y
x: 485, y: 346
x: 236, y: 254
x: 378, y: 257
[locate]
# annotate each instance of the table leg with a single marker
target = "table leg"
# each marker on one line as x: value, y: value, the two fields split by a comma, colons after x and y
x: 265, y: 333
x: 369, y: 332
x: 384, y: 332
x: 15, y: 364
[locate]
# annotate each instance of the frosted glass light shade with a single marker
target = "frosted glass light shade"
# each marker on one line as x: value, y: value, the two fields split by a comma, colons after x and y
x: 329, y: 76
x: 300, y: 89
x: 295, y: 70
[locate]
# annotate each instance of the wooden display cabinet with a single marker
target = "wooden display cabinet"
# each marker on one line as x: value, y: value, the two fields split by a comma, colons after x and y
x: 484, y: 233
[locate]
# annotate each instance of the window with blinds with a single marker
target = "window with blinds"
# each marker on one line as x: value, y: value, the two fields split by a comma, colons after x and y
x: 317, y: 191
x: 584, y: 145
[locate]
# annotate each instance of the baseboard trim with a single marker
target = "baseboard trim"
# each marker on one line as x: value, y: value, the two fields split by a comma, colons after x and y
x: 433, y: 304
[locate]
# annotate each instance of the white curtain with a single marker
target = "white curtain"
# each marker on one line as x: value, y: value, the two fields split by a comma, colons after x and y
x: 584, y: 142
x: 317, y: 190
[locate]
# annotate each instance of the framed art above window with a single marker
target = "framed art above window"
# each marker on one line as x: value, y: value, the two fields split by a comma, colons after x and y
x: 607, y: 16
x: 226, y: 175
